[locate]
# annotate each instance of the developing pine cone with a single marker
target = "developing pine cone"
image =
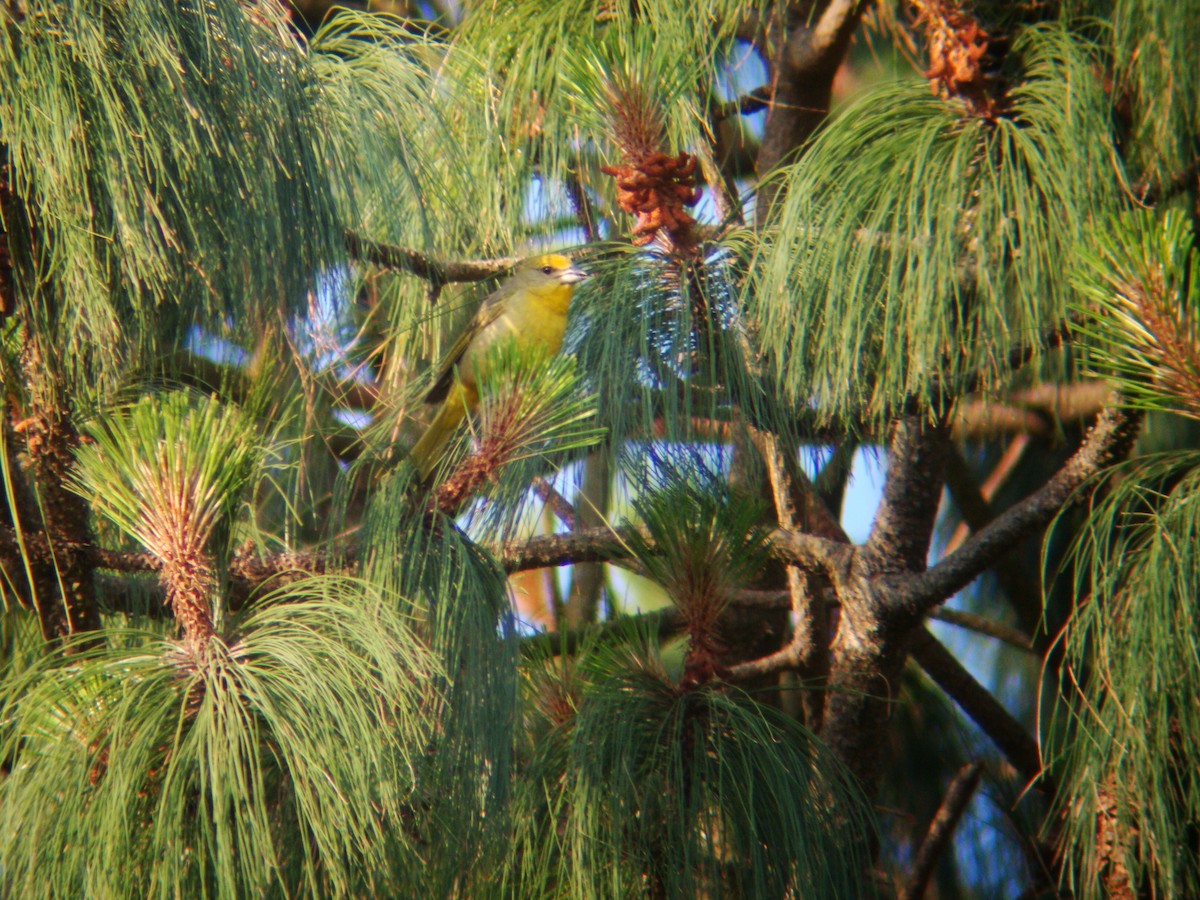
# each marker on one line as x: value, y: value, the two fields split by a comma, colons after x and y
x: 656, y: 190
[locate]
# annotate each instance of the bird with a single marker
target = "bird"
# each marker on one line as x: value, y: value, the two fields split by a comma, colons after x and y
x: 530, y: 308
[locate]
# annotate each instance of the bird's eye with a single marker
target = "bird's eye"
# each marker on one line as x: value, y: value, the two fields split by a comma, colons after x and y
x: 547, y: 270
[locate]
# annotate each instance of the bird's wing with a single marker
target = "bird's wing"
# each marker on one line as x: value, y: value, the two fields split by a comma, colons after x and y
x: 492, y: 306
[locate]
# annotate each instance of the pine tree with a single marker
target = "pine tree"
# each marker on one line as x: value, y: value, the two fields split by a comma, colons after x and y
x: 247, y: 650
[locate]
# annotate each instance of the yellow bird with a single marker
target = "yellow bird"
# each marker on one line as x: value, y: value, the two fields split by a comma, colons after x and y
x: 531, y: 309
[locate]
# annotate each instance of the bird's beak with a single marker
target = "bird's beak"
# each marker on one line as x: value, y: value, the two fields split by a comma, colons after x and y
x: 572, y: 275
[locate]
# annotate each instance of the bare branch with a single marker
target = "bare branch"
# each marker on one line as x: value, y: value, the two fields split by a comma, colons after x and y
x: 810, y: 620
x: 970, y: 621
x: 559, y: 505
x: 785, y: 659
x: 803, y: 69
x: 1022, y: 586
x: 606, y: 544
x: 590, y: 545
x: 436, y: 272
x: 979, y: 497
x: 812, y: 48
x: 983, y: 625
x: 912, y: 595
x: 941, y: 828
x: 977, y: 702
x: 1035, y: 411
x: 785, y: 512
x: 811, y: 552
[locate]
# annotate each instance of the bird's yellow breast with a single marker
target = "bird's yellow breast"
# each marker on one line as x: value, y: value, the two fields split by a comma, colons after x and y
x: 532, y: 317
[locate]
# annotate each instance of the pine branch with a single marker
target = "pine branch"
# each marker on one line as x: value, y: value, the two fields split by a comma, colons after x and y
x: 809, y: 643
x: 559, y: 505
x: 1037, y: 410
x: 1014, y: 637
x: 601, y: 544
x: 909, y: 596
x: 903, y: 526
x: 785, y: 513
x: 436, y: 272
x: 544, y: 551
x: 785, y: 659
x: 977, y: 702
x: 1023, y: 590
x: 962, y: 788
x: 606, y: 544
x: 802, y: 81
x: 974, y: 500
x: 831, y: 482
x: 816, y: 48
x: 969, y: 621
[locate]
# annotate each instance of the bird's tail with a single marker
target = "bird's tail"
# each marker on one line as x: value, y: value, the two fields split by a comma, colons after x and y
x: 427, y: 452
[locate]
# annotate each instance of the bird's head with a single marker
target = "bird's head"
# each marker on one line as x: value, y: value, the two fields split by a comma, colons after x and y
x: 553, y: 267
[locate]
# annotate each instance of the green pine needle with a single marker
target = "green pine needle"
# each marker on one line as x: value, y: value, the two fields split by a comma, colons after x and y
x: 285, y: 763
x: 919, y: 247
x: 168, y: 470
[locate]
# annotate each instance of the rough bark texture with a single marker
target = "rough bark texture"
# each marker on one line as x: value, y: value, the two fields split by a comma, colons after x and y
x: 1115, y: 843
x: 868, y: 655
x: 809, y: 46
x: 189, y: 583
x: 903, y: 526
x: 863, y: 684
x: 62, y: 589
x: 63, y: 583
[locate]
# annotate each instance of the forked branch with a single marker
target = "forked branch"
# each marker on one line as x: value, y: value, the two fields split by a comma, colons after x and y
x: 910, y: 596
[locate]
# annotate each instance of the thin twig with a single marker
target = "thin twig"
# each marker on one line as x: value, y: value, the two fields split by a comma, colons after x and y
x: 962, y: 788
x: 752, y: 102
x: 983, y: 625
